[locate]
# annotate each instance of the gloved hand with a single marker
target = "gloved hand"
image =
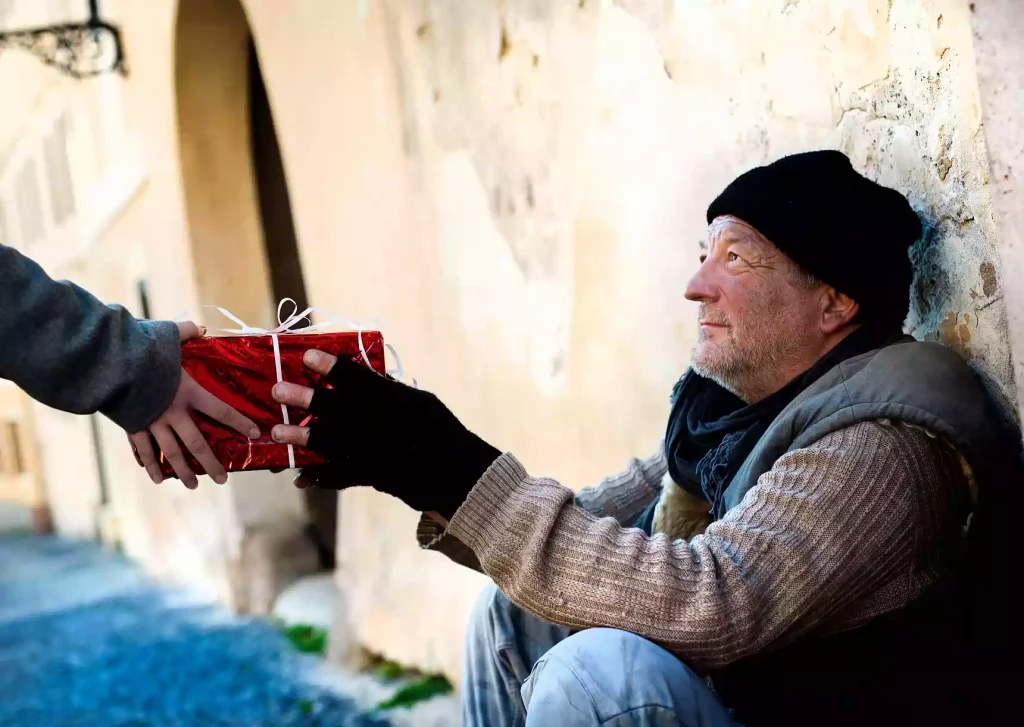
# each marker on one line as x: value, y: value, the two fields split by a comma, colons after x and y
x: 377, y: 432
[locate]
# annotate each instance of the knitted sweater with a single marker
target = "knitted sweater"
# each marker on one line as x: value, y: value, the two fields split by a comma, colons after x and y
x: 853, y: 526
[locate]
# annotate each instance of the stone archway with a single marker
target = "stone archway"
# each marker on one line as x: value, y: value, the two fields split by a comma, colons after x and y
x: 245, y: 259
x: 212, y: 90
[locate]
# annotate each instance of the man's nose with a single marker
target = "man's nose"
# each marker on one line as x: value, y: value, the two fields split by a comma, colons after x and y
x: 702, y: 287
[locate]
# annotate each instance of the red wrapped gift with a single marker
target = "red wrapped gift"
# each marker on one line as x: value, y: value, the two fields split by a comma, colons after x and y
x: 242, y: 370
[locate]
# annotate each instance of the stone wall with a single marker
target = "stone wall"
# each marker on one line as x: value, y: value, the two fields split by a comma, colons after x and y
x: 638, y: 112
x: 514, y: 190
x: 562, y: 154
x: 999, y: 25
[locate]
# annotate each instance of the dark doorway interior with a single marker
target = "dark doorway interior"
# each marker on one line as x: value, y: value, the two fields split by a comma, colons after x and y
x: 285, y: 268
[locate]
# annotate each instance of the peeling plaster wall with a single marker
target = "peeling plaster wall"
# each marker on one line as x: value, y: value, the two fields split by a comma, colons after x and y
x: 513, y: 190
x: 560, y: 155
x: 620, y: 110
x: 999, y: 26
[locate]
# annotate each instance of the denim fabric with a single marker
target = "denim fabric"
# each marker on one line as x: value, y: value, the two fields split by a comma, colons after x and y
x: 521, y: 671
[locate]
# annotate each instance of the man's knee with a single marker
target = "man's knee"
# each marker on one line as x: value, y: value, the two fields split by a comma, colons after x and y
x: 607, y: 660
x: 602, y: 673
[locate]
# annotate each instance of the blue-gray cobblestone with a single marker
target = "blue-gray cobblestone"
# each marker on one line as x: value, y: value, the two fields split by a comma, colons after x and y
x: 86, y: 639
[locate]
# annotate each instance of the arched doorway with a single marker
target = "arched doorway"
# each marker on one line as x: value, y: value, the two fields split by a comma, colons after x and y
x: 245, y: 257
x: 286, y: 280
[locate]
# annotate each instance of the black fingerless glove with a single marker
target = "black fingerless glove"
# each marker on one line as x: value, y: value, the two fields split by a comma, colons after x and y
x: 399, y: 440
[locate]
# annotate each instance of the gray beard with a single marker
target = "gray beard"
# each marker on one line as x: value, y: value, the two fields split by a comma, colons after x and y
x: 727, y: 382
x: 745, y: 377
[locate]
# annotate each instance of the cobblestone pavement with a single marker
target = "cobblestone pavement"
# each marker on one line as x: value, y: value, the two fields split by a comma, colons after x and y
x: 87, y: 640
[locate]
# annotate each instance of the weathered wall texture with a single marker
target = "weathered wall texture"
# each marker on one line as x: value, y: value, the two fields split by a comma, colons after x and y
x: 562, y: 155
x: 999, y: 27
x: 635, y: 108
x: 514, y: 189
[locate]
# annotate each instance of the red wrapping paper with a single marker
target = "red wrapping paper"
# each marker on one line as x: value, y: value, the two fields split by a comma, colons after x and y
x: 241, y: 371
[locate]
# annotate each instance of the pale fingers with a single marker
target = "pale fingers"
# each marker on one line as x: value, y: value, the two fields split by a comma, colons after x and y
x: 169, y: 445
x: 319, y: 361
x: 195, y: 443
x: 203, y: 401
x: 188, y: 330
x: 290, y: 434
x: 144, y: 448
x: 293, y: 395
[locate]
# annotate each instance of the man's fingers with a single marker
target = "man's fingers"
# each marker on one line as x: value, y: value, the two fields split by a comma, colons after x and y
x: 147, y: 457
x: 195, y: 443
x: 347, y: 374
x: 315, y: 402
x: 319, y: 361
x: 169, y: 445
x: 140, y: 458
x: 202, y: 400
x: 293, y: 395
x: 188, y: 330
x: 290, y: 434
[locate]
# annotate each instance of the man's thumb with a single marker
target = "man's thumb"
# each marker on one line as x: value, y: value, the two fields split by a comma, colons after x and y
x: 188, y: 330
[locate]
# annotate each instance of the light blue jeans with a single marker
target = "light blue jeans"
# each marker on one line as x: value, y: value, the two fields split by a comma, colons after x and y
x: 520, y: 671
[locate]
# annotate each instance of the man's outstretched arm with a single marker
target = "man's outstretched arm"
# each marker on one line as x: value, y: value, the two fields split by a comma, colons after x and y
x: 824, y: 531
x: 68, y: 350
x: 831, y: 534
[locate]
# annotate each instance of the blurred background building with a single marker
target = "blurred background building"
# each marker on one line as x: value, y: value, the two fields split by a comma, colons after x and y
x: 512, y: 189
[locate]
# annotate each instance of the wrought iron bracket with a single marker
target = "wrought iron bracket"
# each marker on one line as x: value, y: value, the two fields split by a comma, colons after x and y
x: 80, y: 50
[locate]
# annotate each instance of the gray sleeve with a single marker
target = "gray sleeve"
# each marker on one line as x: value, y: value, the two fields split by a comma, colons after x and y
x: 626, y: 495
x: 66, y: 349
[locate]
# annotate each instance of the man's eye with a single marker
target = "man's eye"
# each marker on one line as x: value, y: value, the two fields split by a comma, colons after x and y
x: 733, y: 257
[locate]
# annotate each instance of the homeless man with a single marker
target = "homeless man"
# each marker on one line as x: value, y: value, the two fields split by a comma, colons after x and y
x: 785, y: 557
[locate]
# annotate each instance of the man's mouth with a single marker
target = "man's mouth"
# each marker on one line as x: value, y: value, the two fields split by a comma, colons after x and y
x: 706, y: 321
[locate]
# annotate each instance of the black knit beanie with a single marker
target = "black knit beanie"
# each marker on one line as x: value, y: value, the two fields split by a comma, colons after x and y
x: 838, y: 225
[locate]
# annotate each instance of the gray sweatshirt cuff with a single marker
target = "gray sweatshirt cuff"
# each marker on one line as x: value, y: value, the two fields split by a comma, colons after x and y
x: 156, y: 382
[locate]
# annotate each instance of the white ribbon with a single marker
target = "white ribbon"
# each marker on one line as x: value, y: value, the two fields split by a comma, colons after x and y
x: 288, y: 326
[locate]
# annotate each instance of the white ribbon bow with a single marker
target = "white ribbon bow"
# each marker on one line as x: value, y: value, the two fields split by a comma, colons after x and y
x: 288, y: 326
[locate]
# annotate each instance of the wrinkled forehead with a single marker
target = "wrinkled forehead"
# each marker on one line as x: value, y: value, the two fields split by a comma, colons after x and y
x: 732, y: 229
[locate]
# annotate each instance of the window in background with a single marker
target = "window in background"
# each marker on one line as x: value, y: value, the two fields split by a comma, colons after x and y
x: 29, y: 203
x: 6, y: 10
x: 58, y: 170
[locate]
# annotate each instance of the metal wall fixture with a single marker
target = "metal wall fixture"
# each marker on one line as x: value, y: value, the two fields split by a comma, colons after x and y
x: 80, y: 50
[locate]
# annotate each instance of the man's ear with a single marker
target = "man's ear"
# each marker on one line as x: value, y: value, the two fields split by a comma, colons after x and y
x: 837, y: 310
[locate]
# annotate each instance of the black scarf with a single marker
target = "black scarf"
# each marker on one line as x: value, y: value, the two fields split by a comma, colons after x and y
x: 711, y: 431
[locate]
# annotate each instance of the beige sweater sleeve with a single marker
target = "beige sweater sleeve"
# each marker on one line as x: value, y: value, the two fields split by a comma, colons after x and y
x: 625, y: 495
x: 622, y: 497
x: 831, y: 532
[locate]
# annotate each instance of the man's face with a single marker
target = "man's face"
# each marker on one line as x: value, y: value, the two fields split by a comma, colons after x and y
x: 757, y: 316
